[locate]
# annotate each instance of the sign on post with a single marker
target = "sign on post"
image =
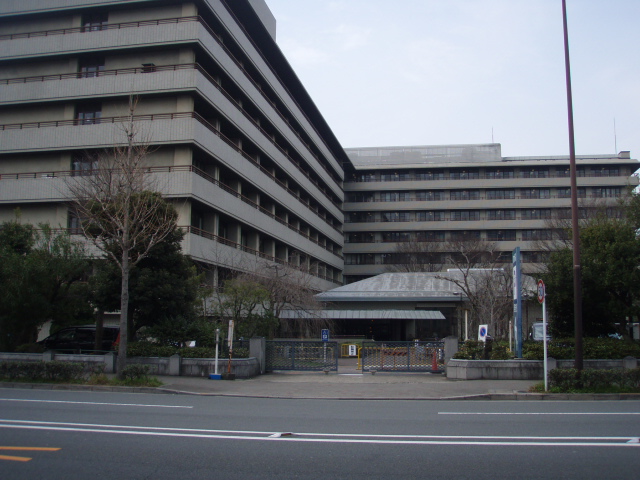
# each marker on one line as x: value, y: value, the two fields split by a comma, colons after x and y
x: 483, y: 331
x: 517, y: 302
x: 325, y: 334
x: 541, y: 298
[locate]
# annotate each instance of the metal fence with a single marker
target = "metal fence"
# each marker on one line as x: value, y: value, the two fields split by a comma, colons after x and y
x: 402, y: 356
x: 301, y: 355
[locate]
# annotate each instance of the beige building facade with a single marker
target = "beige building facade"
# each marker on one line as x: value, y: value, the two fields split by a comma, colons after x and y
x: 237, y: 144
x: 395, y: 195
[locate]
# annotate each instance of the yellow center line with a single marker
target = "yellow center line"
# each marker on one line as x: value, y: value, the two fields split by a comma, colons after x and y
x: 38, y: 449
x: 17, y: 459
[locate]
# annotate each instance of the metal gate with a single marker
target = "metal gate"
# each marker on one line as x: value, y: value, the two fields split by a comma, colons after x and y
x: 301, y: 355
x: 402, y: 356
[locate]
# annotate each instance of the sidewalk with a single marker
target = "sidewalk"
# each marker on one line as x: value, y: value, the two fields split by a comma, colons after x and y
x: 351, y: 386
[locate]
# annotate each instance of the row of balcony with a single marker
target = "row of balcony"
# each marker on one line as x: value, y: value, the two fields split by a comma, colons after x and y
x: 295, y: 128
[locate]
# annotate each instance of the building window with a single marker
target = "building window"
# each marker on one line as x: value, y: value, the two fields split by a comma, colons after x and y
x: 465, y: 215
x: 395, y: 237
x: 606, y: 172
x: 535, y: 173
x: 359, y: 217
x: 501, y: 215
x: 566, y: 192
x: 501, y: 235
x: 501, y: 194
x: 395, y: 216
x: 535, y: 193
x: 430, y: 236
x: 90, y: 67
x: 429, y: 216
x: 429, y: 175
x: 359, y: 197
x: 464, y: 195
x: 94, y: 22
x: 359, y: 238
x: 609, y: 192
x: 83, y: 165
x: 88, y: 114
x: 465, y: 235
x: 464, y: 175
x: 491, y: 174
x: 528, y: 235
x: 359, y: 259
x: 535, y: 214
x: 394, y: 196
x: 428, y: 196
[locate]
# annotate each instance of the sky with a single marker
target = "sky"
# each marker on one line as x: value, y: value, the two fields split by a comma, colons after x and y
x: 439, y: 72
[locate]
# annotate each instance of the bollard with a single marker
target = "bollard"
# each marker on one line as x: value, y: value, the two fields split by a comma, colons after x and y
x: 434, y: 362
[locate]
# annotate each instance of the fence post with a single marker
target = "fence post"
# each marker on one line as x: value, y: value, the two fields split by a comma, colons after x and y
x: 257, y: 349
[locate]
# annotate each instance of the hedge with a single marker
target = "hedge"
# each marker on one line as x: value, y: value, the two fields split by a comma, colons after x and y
x: 48, y: 371
x: 592, y: 380
x: 592, y: 348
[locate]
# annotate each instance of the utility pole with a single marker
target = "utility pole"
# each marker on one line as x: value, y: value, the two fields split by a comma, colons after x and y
x: 577, y: 273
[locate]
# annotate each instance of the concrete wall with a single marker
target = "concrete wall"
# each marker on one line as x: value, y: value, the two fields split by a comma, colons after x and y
x: 518, y: 369
x: 188, y: 367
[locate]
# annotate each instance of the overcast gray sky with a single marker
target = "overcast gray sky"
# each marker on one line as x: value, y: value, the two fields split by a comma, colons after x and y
x: 430, y: 72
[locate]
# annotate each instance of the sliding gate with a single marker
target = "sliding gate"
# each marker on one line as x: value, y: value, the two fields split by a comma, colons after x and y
x: 402, y: 356
x: 301, y: 355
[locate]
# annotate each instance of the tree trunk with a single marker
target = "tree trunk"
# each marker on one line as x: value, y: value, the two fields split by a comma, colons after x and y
x: 124, y: 312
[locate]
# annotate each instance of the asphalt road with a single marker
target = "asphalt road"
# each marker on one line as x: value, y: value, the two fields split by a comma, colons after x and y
x: 91, y: 435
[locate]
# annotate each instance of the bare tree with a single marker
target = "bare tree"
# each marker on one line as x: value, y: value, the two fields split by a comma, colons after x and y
x: 120, y: 211
x: 290, y: 288
x: 478, y: 270
x: 415, y: 256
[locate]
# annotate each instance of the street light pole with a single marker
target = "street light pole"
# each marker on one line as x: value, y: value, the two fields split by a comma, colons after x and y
x: 577, y: 273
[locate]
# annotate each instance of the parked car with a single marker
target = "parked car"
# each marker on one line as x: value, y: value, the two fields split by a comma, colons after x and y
x: 79, y: 338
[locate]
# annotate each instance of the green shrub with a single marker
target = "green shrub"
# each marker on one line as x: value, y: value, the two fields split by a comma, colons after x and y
x: 475, y: 350
x: 569, y: 380
x: 135, y: 371
x: 470, y: 350
x: 148, y: 349
x: 593, y: 348
x: 500, y: 351
x: 43, y: 371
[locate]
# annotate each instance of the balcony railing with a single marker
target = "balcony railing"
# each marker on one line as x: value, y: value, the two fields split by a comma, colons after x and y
x: 171, y: 116
x: 244, y: 248
x: 170, y: 169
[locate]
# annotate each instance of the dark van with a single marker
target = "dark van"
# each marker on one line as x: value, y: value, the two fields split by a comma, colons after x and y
x: 80, y: 338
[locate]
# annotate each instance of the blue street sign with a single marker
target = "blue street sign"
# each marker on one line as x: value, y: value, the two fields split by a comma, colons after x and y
x: 325, y: 334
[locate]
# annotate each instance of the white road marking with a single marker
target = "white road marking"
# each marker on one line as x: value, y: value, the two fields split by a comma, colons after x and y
x: 328, y: 437
x: 538, y: 413
x: 92, y: 403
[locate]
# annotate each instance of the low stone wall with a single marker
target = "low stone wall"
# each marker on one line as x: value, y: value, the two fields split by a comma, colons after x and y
x: 175, y: 365
x: 518, y: 369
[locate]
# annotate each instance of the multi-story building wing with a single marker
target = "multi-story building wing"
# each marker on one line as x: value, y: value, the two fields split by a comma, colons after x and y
x: 238, y: 145
x: 439, y: 193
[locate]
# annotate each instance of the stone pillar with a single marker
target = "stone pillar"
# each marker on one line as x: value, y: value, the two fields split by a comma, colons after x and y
x: 629, y: 363
x: 174, y: 365
x: 450, y: 347
x: 258, y: 349
x: 110, y: 362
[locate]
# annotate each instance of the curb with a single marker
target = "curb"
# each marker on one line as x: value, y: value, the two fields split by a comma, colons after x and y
x: 515, y: 396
